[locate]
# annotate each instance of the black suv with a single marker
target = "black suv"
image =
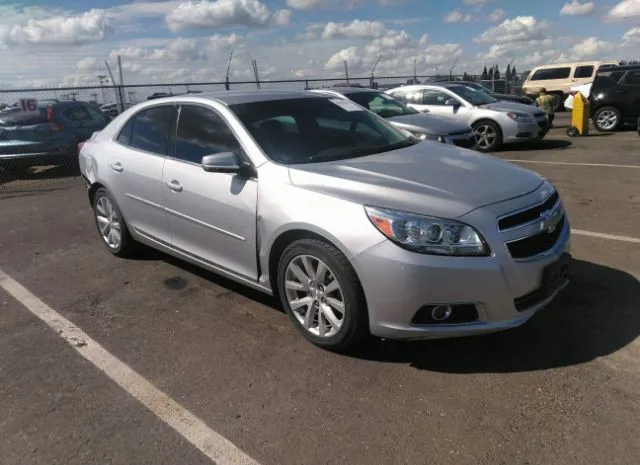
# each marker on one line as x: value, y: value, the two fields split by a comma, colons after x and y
x: 615, y: 97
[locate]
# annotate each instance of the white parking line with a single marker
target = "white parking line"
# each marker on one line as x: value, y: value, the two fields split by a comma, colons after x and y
x: 542, y: 162
x: 216, y: 447
x: 580, y: 232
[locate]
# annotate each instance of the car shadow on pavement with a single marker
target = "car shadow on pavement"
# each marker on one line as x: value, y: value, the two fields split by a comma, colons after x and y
x: 544, y: 144
x: 596, y: 315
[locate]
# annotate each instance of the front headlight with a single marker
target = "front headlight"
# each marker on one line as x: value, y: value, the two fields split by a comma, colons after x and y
x: 425, y: 136
x: 427, y: 234
x: 520, y: 117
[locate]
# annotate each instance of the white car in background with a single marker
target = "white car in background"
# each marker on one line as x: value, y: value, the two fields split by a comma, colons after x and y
x: 584, y: 89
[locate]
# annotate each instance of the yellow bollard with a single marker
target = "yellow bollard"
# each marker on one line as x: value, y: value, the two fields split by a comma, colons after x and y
x: 579, y: 116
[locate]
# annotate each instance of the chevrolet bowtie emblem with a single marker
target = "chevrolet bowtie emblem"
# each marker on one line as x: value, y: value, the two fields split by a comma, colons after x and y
x: 549, y: 221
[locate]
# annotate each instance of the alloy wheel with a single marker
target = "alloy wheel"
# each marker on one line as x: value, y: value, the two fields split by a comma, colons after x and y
x: 485, y: 136
x: 314, y: 296
x: 108, y: 222
x: 607, y: 119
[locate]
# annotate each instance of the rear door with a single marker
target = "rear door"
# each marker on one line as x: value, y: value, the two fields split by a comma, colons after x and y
x: 135, y: 163
x: 583, y: 75
x: 553, y: 79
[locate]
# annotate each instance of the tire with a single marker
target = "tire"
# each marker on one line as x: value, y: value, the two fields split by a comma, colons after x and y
x: 125, y: 246
x: 484, y: 128
x: 317, y: 298
x: 607, y: 119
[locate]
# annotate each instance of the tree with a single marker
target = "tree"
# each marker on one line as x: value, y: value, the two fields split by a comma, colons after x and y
x: 465, y: 76
x: 490, y: 74
x: 496, y: 73
x: 485, y: 75
x: 514, y: 73
x: 507, y: 73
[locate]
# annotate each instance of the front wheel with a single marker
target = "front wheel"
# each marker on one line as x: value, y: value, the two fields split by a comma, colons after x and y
x: 488, y: 136
x: 606, y: 119
x: 322, y: 295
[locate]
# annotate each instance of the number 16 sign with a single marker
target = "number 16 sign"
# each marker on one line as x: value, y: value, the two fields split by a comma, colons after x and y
x: 29, y: 104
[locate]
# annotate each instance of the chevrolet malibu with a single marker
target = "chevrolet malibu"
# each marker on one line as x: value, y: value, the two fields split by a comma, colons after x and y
x: 358, y: 227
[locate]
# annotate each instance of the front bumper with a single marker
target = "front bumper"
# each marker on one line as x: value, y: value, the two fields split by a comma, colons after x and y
x: 521, y: 132
x: 397, y: 283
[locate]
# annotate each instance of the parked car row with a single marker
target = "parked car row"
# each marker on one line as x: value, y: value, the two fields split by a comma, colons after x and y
x: 358, y: 223
x: 47, y: 133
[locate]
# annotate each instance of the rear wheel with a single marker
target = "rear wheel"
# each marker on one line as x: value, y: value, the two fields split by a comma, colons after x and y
x: 111, y: 225
x: 322, y: 295
x: 488, y: 135
x: 606, y: 119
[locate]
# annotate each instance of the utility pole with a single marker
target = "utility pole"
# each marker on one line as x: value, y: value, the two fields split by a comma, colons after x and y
x: 373, y: 70
x: 103, y: 79
x: 415, y: 72
x: 346, y: 71
x: 121, y: 88
x: 115, y: 88
x: 451, y: 69
x: 254, y: 64
x: 226, y: 82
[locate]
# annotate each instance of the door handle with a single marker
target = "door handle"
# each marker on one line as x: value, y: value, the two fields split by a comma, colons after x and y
x: 174, y: 186
x: 117, y: 166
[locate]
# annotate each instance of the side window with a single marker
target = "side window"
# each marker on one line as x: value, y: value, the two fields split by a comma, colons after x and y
x: 551, y: 73
x: 77, y: 114
x: 151, y: 128
x: 400, y: 96
x: 434, y: 97
x: 125, y: 133
x: 632, y: 78
x: 201, y: 132
x: 583, y: 72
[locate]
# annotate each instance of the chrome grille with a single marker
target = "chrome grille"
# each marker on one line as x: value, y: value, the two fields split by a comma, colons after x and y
x: 529, y: 215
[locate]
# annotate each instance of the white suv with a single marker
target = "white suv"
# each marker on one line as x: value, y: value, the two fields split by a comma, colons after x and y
x: 494, y: 122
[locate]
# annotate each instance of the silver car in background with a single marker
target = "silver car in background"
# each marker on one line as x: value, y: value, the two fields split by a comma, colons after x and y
x: 494, y: 122
x: 358, y: 227
x: 425, y: 127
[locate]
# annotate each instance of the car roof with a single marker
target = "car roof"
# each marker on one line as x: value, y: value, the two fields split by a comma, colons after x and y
x: 577, y: 63
x: 235, y: 97
x: 444, y: 84
x: 619, y: 68
x: 350, y: 90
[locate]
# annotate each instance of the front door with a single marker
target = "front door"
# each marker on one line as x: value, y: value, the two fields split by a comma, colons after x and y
x: 628, y: 92
x: 212, y: 216
x: 135, y: 170
x: 436, y: 102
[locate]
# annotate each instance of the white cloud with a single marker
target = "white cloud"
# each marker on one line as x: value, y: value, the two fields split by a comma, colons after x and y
x: 476, y: 2
x: 632, y: 36
x: 91, y: 26
x: 356, y: 28
x: 145, y: 9
x: 520, y: 29
x: 223, y: 13
x: 88, y: 63
x: 591, y: 46
x: 497, y: 15
x: 575, y: 8
x: 456, y: 16
x: 625, y: 10
x: 349, y: 54
x: 438, y: 54
x: 303, y: 4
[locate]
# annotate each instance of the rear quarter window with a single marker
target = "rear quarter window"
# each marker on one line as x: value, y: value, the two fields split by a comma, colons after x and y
x: 551, y: 73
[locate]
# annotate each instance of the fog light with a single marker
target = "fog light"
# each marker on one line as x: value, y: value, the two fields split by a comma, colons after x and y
x: 441, y: 312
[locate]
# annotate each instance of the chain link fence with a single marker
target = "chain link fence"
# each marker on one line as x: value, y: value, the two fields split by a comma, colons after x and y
x: 40, y: 129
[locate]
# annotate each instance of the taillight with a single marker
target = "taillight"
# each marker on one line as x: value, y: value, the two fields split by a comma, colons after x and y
x: 54, y: 125
x: 49, y: 114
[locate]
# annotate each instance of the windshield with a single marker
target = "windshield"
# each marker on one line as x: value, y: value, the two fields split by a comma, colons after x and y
x: 311, y: 130
x: 478, y: 87
x: 381, y: 104
x: 474, y: 97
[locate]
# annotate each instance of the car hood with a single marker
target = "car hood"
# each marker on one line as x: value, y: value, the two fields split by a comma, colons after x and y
x: 512, y: 106
x: 510, y: 97
x: 430, y: 124
x: 428, y: 178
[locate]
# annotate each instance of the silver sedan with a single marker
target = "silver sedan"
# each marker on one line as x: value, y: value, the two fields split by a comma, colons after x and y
x: 359, y: 228
x: 495, y: 123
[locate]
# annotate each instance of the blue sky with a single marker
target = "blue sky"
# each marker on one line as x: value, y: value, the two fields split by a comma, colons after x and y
x: 66, y: 42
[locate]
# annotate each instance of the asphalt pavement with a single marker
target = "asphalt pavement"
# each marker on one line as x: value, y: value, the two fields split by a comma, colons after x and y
x: 563, y: 389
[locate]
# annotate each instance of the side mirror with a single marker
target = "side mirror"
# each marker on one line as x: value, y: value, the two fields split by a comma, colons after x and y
x: 223, y: 162
x: 452, y: 103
